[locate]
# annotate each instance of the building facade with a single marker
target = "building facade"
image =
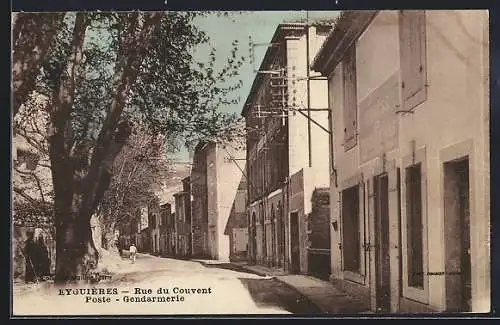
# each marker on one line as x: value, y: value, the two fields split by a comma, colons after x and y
x: 319, y: 249
x: 182, y: 223
x: 286, y: 117
x: 199, y: 208
x: 409, y: 93
x: 154, y: 222
x: 143, y: 238
x: 167, y: 229
x: 237, y: 228
x: 216, y: 175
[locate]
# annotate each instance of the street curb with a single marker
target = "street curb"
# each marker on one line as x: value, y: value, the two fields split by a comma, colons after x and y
x: 238, y: 268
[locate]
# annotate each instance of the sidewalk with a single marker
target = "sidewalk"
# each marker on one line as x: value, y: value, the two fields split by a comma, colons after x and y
x: 325, y: 295
x: 322, y: 293
x: 259, y: 269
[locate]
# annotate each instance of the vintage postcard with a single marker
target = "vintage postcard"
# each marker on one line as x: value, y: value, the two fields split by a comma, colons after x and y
x: 255, y: 162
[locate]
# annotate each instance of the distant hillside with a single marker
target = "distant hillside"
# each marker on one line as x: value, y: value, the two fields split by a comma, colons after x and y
x: 174, y: 182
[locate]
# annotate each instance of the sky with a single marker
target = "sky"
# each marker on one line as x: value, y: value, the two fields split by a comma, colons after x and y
x: 260, y: 26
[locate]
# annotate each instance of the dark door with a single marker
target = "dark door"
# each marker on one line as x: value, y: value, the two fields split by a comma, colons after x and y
x: 264, y: 237
x: 294, y: 241
x: 273, y: 243
x: 457, y: 236
x: 382, y: 262
x: 253, y: 238
x: 281, y: 236
x: 273, y: 237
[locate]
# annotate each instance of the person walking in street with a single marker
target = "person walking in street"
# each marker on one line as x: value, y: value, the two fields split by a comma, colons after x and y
x: 133, y: 252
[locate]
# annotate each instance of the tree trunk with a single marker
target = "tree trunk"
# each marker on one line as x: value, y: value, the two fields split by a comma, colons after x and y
x: 76, y: 252
x: 33, y: 34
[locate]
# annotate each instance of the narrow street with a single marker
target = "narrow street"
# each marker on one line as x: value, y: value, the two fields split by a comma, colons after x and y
x: 223, y: 291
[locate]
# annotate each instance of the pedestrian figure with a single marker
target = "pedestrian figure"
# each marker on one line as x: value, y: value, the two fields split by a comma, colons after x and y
x: 42, y: 265
x: 29, y: 251
x: 133, y: 252
x: 119, y: 246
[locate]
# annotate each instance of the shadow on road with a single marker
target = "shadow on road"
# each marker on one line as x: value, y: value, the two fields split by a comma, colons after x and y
x: 272, y: 292
x: 229, y: 266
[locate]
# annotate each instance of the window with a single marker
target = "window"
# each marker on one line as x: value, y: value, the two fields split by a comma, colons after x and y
x: 351, y: 230
x: 414, y: 226
x: 413, y: 57
x: 350, y: 99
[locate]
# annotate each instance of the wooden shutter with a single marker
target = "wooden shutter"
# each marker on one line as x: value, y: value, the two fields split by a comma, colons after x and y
x: 413, y: 57
x: 331, y: 107
x: 350, y: 101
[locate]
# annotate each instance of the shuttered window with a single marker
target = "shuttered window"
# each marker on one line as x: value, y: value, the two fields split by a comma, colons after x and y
x: 413, y: 57
x: 350, y: 99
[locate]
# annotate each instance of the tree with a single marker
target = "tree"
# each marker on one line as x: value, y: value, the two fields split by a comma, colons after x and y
x: 31, y: 175
x: 141, y: 168
x: 107, y: 72
x: 33, y: 35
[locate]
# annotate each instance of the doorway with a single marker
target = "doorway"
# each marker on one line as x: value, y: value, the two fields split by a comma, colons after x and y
x: 263, y: 231
x: 294, y: 243
x: 382, y: 257
x: 457, y: 236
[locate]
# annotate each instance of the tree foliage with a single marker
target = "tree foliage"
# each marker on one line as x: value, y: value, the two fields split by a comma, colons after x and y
x: 140, y: 169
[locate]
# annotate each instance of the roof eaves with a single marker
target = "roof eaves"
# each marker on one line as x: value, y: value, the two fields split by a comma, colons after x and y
x: 348, y: 27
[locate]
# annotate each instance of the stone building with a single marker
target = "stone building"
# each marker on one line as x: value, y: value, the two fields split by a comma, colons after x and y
x: 199, y: 208
x: 182, y: 224
x: 216, y: 175
x: 286, y: 117
x: 409, y: 193
x: 318, y: 253
x: 143, y: 238
x: 167, y: 228
x: 237, y: 227
x: 154, y: 221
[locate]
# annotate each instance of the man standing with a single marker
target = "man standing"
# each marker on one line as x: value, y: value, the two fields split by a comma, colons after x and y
x: 43, y: 260
x: 29, y: 251
x: 118, y: 244
x: 133, y: 252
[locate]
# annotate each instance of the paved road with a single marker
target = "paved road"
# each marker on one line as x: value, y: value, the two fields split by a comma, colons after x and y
x: 187, y: 287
